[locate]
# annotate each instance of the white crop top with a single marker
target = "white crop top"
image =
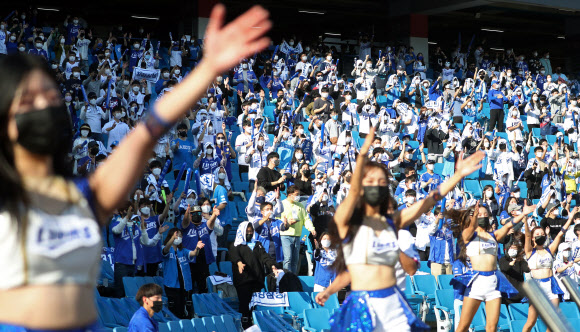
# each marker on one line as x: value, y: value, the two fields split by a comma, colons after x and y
x: 480, y: 246
x: 537, y: 261
x: 368, y: 248
x: 60, y: 248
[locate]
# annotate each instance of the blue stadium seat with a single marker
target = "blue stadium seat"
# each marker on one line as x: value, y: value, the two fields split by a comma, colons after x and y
x: 551, y: 139
x: 330, y: 304
x: 316, y: 319
x: 106, y: 313
x: 536, y: 132
x: 130, y: 285
x: 209, y: 324
x: 414, y: 300
x: 478, y: 322
x: 518, y: 311
x: 269, y: 321
x: 473, y: 187
x: 438, y: 168
x: 523, y: 189
x: 518, y: 325
x: 424, y: 267
x: 443, y: 281
x: 298, y: 301
x: 226, y: 267
x: 444, y: 309
x: 120, y: 329
x: 504, y: 318
x: 230, y: 323
x: 186, y: 325
x: 307, y: 282
x: 198, y: 325
x: 213, y: 268
x: 570, y: 310
x: 425, y: 285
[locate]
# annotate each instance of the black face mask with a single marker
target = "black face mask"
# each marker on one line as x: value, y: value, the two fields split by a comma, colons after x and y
x: 182, y: 134
x: 44, y: 131
x: 306, y: 172
x: 375, y: 195
x: 157, y: 306
x: 540, y: 240
x: 483, y: 222
x: 196, y: 217
x: 249, y: 237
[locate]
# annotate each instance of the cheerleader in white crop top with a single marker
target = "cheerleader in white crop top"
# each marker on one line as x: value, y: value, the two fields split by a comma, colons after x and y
x: 484, y: 283
x: 49, y: 226
x: 540, y: 257
x: 370, y: 248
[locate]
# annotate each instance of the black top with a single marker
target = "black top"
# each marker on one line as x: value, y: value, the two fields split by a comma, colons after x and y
x: 514, y: 274
x: 266, y: 176
x: 257, y: 262
x: 304, y: 186
x: 434, y: 140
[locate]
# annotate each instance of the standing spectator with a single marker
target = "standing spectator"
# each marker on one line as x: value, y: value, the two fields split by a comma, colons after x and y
x: 268, y: 177
x: 513, y: 266
x: 324, y: 274
x: 248, y: 258
x: 176, y: 274
x: 496, y: 100
x: 149, y: 297
x: 545, y: 62
x: 296, y: 217
x: 116, y: 129
x: 220, y: 195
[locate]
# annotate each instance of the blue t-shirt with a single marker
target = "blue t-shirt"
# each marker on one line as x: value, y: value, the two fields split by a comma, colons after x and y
x: 183, y: 154
x: 141, y: 322
x: 433, y: 185
x: 220, y: 194
x: 324, y: 273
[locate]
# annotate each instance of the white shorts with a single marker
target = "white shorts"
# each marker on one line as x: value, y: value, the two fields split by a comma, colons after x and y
x: 388, y: 314
x: 546, y: 287
x: 483, y: 288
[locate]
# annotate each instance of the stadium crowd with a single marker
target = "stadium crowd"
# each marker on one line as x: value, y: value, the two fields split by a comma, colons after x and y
x: 256, y: 170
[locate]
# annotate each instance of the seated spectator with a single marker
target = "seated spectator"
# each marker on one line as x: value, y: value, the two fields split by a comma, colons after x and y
x: 149, y: 297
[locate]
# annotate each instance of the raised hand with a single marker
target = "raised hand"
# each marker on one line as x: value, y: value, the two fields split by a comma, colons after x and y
x: 470, y: 164
x: 226, y: 46
x: 364, y: 150
x: 163, y: 229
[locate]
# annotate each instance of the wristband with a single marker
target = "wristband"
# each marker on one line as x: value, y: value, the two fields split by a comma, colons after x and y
x: 563, y: 230
x: 155, y: 125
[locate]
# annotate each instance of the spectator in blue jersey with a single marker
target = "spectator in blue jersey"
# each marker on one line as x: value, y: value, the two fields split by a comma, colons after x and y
x: 38, y: 49
x: 441, y: 256
x: 129, y: 242
x: 496, y: 100
x: 183, y: 150
x: 72, y: 29
x: 196, y: 228
x: 245, y: 79
x: 430, y: 180
x: 267, y: 228
x: 152, y: 255
x: 209, y: 161
x: 149, y: 297
x: 324, y: 256
x: 220, y: 195
x: 135, y: 51
x: 176, y: 273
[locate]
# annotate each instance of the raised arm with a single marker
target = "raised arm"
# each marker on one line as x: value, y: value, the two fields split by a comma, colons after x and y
x: 224, y: 47
x: 554, y: 245
x: 345, y: 209
x: 502, y: 232
x: 465, y: 167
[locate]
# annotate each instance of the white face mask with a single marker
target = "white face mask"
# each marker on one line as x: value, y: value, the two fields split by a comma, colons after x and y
x: 304, y: 58
x: 84, y: 133
x: 299, y: 156
x: 190, y: 201
x: 512, y: 253
x: 221, y: 176
x: 22, y: 49
x: 430, y: 167
x: 13, y: 38
x: 489, y: 194
x: 325, y: 243
x: 177, y: 71
x: 165, y: 75
x: 205, y: 208
x: 260, y: 143
x: 517, y: 195
x: 38, y: 45
x: 93, y: 102
x: 348, y: 97
x: 324, y: 198
x: 177, y: 241
x: 156, y: 171
x: 535, y: 98
x: 324, y: 95
x: 329, y: 58
x: 300, y: 131
x: 486, y: 144
x: 136, y: 89
x: 71, y: 58
x: 410, y: 199
x: 213, y: 106
x: 76, y: 74
x: 348, y: 140
x: 125, y: 82
x: 209, y: 151
x: 220, y: 141
x: 145, y: 210
x: 54, y: 66
x: 136, y: 45
x: 244, y: 66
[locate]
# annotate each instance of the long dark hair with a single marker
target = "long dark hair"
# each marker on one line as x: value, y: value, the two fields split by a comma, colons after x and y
x: 14, y: 69
x: 170, y: 235
x: 355, y: 221
x: 460, y: 221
